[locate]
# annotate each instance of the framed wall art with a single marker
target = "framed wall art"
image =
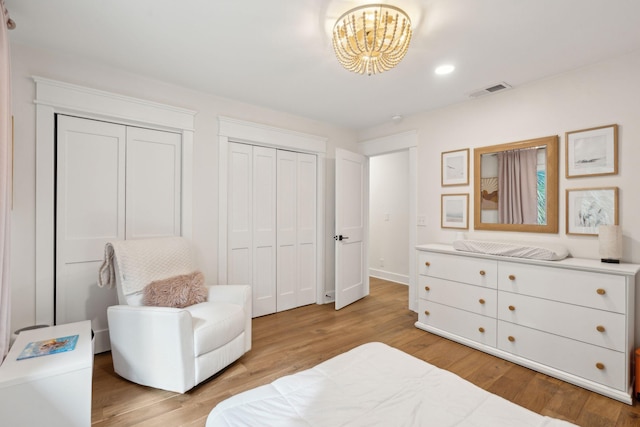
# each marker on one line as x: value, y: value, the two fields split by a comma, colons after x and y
x: 588, y: 208
x: 455, y: 211
x: 592, y: 152
x: 455, y: 168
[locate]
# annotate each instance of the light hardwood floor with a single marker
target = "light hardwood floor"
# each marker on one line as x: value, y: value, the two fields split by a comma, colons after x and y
x: 298, y: 339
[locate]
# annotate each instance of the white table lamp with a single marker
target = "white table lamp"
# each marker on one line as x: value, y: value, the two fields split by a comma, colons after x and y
x: 610, y: 241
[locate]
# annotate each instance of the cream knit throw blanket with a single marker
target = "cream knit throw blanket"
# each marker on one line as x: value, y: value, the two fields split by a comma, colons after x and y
x: 142, y: 261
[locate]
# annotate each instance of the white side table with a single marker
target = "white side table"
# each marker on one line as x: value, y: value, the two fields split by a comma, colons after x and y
x: 52, y: 390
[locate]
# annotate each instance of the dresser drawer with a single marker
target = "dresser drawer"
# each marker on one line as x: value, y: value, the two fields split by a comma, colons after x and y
x: 476, y: 299
x: 590, y: 289
x: 474, y: 271
x: 598, y: 327
x: 587, y: 361
x: 458, y: 322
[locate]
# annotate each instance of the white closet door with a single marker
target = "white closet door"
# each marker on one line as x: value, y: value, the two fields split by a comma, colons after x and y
x: 90, y: 210
x: 307, y: 225
x: 287, y: 230
x: 240, y: 215
x: 296, y: 229
x: 264, y: 231
x: 113, y: 182
x: 153, y: 183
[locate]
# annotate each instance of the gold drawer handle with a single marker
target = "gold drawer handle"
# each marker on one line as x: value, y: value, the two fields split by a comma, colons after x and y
x: 512, y: 308
x: 600, y: 366
x: 481, y: 329
x: 512, y: 277
x: 428, y: 264
x: 427, y: 312
x: 510, y: 338
x: 482, y: 272
x: 601, y: 291
x: 426, y: 288
x: 481, y: 301
x: 600, y: 328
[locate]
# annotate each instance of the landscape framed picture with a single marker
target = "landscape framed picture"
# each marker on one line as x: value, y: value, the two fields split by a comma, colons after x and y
x: 588, y: 208
x: 592, y: 152
x: 455, y: 211
x: 455, y: 168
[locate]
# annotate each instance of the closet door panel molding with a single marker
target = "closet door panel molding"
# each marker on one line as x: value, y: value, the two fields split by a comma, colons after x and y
x: 153, y: 183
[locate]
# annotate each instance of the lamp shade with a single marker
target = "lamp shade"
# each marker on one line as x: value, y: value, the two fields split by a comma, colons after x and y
x: 610, y: 243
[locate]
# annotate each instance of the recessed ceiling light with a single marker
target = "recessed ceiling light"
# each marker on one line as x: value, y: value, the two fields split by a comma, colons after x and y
x: 445, y: 69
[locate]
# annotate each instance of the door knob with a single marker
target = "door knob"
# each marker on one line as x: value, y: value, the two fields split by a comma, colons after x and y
x: 340, y: 237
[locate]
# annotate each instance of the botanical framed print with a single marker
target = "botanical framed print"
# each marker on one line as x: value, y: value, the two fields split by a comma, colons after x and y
x: 455, y: 168
x: 592, y: 152
x: 588, y: 208
x: 455, y: 211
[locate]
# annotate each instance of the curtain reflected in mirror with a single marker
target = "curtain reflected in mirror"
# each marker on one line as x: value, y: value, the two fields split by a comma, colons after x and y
x: 516, y: 185
x: 513, y: 187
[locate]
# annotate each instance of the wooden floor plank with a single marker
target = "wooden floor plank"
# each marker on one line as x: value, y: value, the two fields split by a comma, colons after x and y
x: 298, y: 339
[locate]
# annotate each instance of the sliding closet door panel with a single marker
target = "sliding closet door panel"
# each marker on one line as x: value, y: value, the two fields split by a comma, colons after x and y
x: 240, y: 215
x: 306, y: 229
x: 287, y: 230
x: 153, y: 183
x: 264, y: 231
x: 90, y: 210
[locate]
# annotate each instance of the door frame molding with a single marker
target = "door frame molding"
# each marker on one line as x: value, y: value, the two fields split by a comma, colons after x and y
x: 235, y: 130
x: 405, y: 141
x: 53, y: 97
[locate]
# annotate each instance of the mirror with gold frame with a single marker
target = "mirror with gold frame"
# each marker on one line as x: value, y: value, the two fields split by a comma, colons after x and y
x: 516, y: 186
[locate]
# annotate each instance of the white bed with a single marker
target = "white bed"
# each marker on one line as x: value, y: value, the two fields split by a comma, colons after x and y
x: 373, y: 385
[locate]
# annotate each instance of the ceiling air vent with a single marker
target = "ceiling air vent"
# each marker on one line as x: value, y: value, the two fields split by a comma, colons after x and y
x: 491, y: 89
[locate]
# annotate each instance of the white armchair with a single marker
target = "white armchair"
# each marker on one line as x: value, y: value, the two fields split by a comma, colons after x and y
x: 163, y: 347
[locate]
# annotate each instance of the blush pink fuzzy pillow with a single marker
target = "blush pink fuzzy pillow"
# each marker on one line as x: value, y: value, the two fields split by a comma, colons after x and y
x: 178, y: 291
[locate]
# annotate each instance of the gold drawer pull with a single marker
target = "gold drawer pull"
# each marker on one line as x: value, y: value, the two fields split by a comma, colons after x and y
x: 601, y: 291
x: 481, y: 301
x: 600, y: 328
x: 512, y: 277
x: 510, y: 338
x: 427, y: 312
x: 482, y: 272
x: 512, y: 308
x: 481, y: 329
x: 426, y: 288
x: 600, y: 365
x: 428, y: 264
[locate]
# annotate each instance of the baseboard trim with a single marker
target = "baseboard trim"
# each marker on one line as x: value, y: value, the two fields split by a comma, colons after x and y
x: 387, y: 275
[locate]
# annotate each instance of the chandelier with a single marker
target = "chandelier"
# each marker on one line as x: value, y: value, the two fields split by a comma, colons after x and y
x: 372, y: 39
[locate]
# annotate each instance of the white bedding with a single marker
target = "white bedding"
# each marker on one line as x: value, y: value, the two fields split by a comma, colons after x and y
x: 373, y: 385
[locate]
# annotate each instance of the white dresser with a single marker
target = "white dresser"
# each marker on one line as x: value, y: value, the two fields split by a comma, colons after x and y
x: 571, y: 319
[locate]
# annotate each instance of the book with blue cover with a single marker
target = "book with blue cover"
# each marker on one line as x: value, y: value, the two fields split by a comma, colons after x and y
x: 50, y: 346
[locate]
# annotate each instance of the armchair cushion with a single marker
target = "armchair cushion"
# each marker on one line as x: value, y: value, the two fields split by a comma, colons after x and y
x: 176, y: 291
x: 215, y: 324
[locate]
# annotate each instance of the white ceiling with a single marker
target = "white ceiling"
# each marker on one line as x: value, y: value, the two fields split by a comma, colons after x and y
x: 278, y: 53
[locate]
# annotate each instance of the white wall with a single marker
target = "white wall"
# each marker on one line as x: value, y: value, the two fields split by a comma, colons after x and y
x: 601, y: 94
x: 389, y: 216
x: 27, y: 62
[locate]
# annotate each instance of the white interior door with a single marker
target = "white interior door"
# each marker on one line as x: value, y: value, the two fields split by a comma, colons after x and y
x: 287, y: 230
x: 90, y: 210
x: 264, y: 231
x: 240, y: 216
x: 307, y: 226
x: 352, y: 282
